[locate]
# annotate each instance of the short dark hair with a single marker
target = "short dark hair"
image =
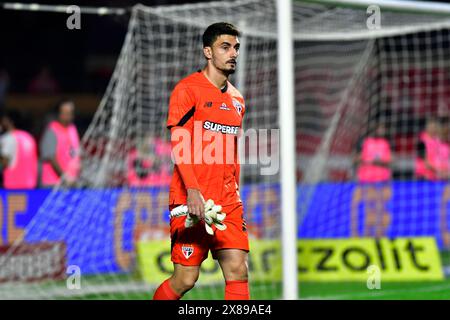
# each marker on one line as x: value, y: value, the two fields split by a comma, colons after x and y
x: 217, y: 29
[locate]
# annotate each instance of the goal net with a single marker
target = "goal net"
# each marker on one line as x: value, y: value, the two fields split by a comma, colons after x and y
x: 107, y: 238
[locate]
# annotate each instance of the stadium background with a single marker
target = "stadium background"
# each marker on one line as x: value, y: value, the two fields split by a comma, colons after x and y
x: 82, y: 62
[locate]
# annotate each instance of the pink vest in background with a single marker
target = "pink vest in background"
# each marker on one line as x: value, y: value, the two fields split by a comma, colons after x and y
x: 437, y: 154
x: 67, y: 154
x: 23, y: 173
x: 374, y: 148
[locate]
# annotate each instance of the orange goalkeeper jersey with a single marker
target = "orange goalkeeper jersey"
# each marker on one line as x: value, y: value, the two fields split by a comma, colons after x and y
x: 213, y: 119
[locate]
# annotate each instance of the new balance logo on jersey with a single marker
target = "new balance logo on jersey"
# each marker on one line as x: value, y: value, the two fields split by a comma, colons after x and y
x: 220, y: 128
x: 187, y: 251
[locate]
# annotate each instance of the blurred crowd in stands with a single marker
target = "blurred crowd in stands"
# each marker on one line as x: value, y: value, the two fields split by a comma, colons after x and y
x: 52, y: 156
x: 29, y: 160
x: 28, y: 164
x: 374, y: 153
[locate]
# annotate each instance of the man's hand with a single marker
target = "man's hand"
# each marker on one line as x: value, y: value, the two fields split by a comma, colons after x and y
x: 56, y: 167
x: 68, y: 182
x: 213, y: 216
x: 196, y: 203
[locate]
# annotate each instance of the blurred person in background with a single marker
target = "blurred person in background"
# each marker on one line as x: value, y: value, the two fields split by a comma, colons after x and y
x: 445, y: 129
x: 43, y: 83
x: 149, y: 163
x: 60, y: 148
x: 445, y: 147
x: 18, y: 154
x: 374, y: 160
x: 374, y: 156
x: 432, y: 152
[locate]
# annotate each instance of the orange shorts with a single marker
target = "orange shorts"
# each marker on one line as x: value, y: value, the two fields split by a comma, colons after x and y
x: 190, y: 246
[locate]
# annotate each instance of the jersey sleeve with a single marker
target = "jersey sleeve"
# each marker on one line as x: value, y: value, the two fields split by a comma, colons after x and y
x: 181, y: 111
x: 238, y: 166
x: 186, y: 170
x: 8, y: 147
x: 48, y: 145
x: 181, y: 106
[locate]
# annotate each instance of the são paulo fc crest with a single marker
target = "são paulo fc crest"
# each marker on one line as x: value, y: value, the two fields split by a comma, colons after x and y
x: 237, y: 106
x: 187, y: 251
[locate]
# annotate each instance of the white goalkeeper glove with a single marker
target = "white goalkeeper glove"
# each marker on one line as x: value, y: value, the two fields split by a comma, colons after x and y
x: 213, y: 216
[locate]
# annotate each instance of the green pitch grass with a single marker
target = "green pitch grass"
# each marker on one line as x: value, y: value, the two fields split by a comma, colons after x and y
x: 436, y: 290
x: 335, y: 291
x: 351, y: 291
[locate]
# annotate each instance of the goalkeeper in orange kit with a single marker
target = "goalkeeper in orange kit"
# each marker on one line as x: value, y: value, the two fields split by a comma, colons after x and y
x: 205, y: 104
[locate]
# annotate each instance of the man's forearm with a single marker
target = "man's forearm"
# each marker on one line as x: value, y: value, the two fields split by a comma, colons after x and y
x: 56, y: 167
x: 188, y: 176
x: 186, y: 169
x: 386, y: 164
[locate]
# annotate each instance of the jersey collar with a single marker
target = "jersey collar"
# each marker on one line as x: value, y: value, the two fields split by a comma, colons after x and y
x: 223, y: 90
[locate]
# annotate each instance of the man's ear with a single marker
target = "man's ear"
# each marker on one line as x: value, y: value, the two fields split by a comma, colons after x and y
x: 207, y: 52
